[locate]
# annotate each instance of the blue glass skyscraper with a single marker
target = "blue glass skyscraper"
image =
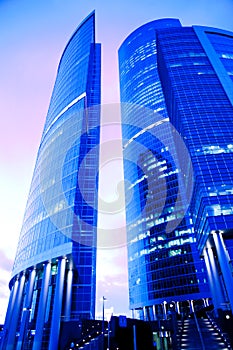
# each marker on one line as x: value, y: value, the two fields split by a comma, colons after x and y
x: 196, y: 69
x: 54, y: 273
x: 165, y: 269
x: 186, y: 75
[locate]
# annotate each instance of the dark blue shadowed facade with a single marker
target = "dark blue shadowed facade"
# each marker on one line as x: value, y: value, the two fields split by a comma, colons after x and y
x: 164, y: 264
x: 54, y: 273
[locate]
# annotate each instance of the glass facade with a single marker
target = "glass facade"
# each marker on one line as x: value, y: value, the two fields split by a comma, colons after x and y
x: 54, y: 273
x: 204, y: 118
x: 195, y: 66
x: 163, y: 260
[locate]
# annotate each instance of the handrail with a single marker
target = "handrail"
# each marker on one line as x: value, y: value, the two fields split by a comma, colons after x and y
x: 96, y: 343
x: 199, y: 331
x: 218, y: 329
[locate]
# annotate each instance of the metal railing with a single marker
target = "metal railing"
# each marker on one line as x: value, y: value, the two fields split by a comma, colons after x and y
x: 199, y: 332
x: 93, y: 344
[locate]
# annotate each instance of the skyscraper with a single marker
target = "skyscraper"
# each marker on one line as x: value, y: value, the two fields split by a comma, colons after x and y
x: 164, y: 266
x: 54, y: 273
x: 196, y: 71
x: 184, y: 76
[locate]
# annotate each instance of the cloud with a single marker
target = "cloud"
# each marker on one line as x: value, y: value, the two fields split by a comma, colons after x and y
x: 116, y: 292
x: 112, y: 281
x: 6, y: 263
x: 112, y: 264
x: 4, y: 290
x: 5, y: 273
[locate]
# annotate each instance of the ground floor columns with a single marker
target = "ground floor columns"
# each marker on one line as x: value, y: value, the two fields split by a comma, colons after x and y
x: 57, y: 306
x: 9, y: 313
x: 191, y: 307
x: 164, y: 310
x: 42, y: 307
x: 145, y: 318
x: 133, y: 313
x: 26, y: 310
x: 150, y: 313
x: 154, y: 312
x: 69, y: 281
x: 214, y: 282
x: 224, y: 262
x: 15, y: 316
x: 177, y: 307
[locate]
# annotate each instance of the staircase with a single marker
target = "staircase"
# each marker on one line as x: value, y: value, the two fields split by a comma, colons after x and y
x: 200, y: 334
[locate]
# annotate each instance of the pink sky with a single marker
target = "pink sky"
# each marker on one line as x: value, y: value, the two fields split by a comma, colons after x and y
x: 33, y: 36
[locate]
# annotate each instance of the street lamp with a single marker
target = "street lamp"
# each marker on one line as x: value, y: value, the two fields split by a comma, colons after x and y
x: 109, y: 314
x: 103, y: 314
x: 103, y: 320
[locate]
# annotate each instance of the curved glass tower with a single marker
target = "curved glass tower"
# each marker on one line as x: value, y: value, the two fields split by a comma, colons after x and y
x: 164, y: 265
x: 54, y: 273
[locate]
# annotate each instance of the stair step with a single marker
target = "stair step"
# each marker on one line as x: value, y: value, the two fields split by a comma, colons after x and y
x: 190, y: 338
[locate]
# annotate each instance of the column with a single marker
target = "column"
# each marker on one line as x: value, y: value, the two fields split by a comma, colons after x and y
x: 191, y: 306
x: 26, y: 310
x: 154, y: 313
x: 57, y: 305
x: 164, y: 310
x: 68, y: 302
x: 15, y: 316
x: 215, y: 286
x: 133, y: 313
x: 9, y: 313
x: 144, y: 314
x: 140, y: 314
x: 150, y: 313
x: 159, y: 311
x: 42, y: 307
x: 224, y: 262
x: 177, y: 306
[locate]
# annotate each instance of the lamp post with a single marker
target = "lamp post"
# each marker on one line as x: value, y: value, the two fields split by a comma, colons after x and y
x: 108, y: 316
x: 103, y: 320
x: 103, y: 314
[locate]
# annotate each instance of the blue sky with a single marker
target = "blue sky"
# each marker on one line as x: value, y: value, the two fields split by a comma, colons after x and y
x: 33, y: 36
